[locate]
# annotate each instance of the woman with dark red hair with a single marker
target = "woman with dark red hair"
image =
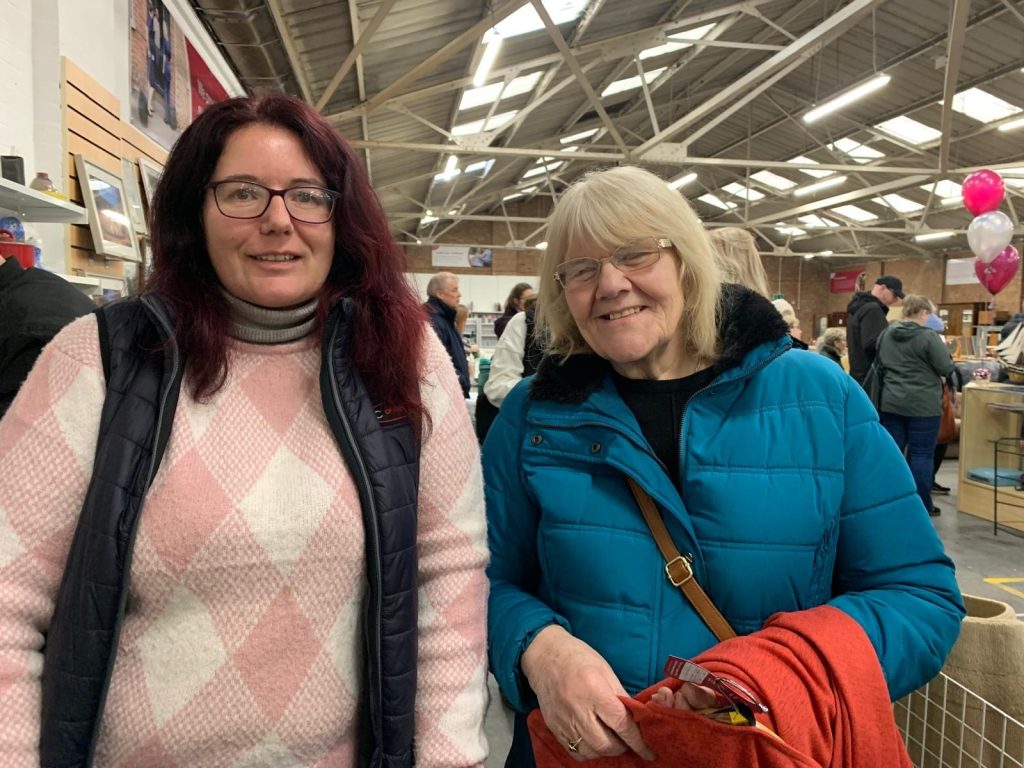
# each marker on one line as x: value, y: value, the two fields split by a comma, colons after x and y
x: 247, y: 524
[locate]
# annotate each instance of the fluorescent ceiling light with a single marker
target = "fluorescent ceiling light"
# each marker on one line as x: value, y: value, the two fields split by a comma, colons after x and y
x: 948, y: 192
x: 484, y: 166
x: 810, y: 189
x: 488, y: 94
x: 738, y: 190
x: 578, y: 136
x: 824, y: 253
x: 539, y: 169
x: 849, y: 97
x: 1012, y: 125
x: 479, y: 126
x: 898, y: 203
x: 629, y: 83
x: 854, y: 213
x: 677, y: 42
x: 983, y: 106
x: 526, y: 20
x: 428, y: 218
x: 813, y: 221
x: 773, y: 180
x: 573, y: 148
x: 516, y: 196
x: 716, y: 202
x: 493, y: 45
x: 909, y: 130
x: 809, y: 171
x: 924, y: 236
x: 859, y: 153
x: 791, y: 231
x: 541, y: 245
x: 682, y: 181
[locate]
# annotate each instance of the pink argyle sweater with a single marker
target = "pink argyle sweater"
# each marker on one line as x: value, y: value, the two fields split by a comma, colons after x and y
x: 241, y: 642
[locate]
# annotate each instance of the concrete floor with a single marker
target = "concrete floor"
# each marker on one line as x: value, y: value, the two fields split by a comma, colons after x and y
x: 978, y: 554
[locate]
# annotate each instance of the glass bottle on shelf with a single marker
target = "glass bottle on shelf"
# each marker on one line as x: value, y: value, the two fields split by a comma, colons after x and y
x: 43, y: 183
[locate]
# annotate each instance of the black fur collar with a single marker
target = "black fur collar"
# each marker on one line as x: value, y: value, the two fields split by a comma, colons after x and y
x: 745, y: 320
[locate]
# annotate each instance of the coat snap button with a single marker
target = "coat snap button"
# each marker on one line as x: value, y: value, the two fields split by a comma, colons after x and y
x: 595, y: 447
x: 536, y: 439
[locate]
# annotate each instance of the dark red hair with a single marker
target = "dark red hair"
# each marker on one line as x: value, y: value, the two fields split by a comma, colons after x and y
x: 368, y: 265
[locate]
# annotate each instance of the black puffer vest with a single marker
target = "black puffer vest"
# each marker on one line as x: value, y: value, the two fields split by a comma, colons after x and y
x: 144, y: 375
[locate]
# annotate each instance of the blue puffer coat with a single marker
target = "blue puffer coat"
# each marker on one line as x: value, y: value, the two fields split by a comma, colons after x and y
x: 793, y: 496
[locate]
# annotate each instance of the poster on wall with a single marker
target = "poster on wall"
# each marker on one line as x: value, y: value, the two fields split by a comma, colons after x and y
x: 461, y: 256
x: 960, y: 271
x: 845, y: 281
x: 168, y: 77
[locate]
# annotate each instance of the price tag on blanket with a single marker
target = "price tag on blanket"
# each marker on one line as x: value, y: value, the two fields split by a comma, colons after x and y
x: 729, y: 691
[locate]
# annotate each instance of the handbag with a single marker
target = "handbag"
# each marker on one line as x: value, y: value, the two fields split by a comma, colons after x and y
x: 875, y: 378
x: 947, y: 421
x: 678, y: 568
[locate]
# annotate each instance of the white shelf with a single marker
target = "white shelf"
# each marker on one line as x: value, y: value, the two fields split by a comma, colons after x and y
x: 30, y: 205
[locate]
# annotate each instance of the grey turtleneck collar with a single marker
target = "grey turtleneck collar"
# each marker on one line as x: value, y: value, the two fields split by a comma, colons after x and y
x: 260, y: 325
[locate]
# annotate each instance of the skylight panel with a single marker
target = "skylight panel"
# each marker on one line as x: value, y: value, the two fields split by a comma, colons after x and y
x: 983, y: 106
x: 810, y: 171
x: 539, y: 169
x: 629, y: 83
x: 789, y: 230
x: 859, y: 153
x: 898, y: 203
x: 717, y: 202
x: 813, y: 221
x: 948, y: 192
x: 677, y: 42
x: 483, y: 167
x: 578, y: 136
x: 738, y: 190
x: 479, y: 126
x: 526, y: 20
x: 854, y: 213
x: 488, y: 94
x: 773, y: 180
x: 909, y: 130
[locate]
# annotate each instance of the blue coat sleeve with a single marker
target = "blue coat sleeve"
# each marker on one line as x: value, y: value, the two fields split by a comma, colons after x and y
x: 892, y: 575
x: 515, y: 612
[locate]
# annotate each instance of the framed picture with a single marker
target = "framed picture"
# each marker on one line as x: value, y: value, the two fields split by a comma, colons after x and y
x: 130, y: 177
x: 151, y: 173
x: 109, y: 219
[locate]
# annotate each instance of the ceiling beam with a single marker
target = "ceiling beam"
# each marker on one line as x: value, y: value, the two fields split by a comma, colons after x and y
x: 357, y: 50
x: 746, y: 87
x: 957, y: 31
x: 289, y: 49
x: 847, y: 197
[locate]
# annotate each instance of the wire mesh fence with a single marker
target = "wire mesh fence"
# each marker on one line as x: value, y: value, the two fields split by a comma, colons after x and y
x: 945, y: 725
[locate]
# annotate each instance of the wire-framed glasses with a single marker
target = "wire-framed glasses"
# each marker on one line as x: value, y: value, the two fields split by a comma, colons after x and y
x: 628, y: 257
x: 249, y: 200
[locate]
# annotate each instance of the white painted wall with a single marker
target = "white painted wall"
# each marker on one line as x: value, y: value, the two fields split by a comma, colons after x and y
x: 16, y: 103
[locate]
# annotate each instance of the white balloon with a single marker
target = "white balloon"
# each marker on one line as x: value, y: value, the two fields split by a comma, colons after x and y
x: 989, y: 234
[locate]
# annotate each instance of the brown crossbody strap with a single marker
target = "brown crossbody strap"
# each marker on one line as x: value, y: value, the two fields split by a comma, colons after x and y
x: 678, y: 567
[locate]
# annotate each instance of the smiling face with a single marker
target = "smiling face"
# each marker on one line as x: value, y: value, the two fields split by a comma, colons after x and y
x: 271, y: 261
x: 632, y: 318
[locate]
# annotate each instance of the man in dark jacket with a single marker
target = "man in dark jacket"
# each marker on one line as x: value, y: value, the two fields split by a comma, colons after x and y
x: 443, y: 290
x: 865, y: 318
x: 34, y: 306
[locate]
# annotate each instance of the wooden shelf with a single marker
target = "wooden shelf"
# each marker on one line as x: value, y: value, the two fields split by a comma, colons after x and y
x: 30, y: 205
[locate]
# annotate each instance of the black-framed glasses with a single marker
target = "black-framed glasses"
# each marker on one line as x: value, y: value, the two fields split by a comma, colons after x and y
x: 628, y: 257
x: 249, y: 200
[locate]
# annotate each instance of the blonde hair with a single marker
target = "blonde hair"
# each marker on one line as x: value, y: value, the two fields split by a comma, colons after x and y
x: 461, y: 316
x: 831, y: 337
x: 737, y: 256
x: 915, y: 304
x: 598, y: 214
x: 788, y: 313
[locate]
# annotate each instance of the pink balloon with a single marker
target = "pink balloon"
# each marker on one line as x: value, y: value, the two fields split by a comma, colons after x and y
x: 983, y: 191
x: 999, y: 272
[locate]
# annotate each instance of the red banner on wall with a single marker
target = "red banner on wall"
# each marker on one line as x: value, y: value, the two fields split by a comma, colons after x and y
x: 845, y: 281
x: 206, y: 88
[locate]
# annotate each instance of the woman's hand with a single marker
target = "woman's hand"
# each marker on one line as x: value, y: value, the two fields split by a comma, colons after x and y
x: 579, y: 697
x: 689, y: 696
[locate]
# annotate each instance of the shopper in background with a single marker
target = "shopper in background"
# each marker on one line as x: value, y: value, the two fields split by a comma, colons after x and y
x: 949, y: 390
x: 865, y: 321
x: 443, y: 292
x: 737, y: 257
x: 471, y: 350
x: 514, y: 304
x: 260, y: 607
x: 34, y: 306
x: 832, y: 345
x: 517, y: 354
x: 785, y: 309
x: 915, y: 361
x: 657, y: 373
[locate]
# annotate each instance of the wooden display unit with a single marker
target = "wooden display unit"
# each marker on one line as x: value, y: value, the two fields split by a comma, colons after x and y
x: 990, y: 412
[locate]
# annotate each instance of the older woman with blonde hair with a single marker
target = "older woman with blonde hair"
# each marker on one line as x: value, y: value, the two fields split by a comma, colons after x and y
x: 736, y: 253
x: 832, y: 344
x: 665, y: 390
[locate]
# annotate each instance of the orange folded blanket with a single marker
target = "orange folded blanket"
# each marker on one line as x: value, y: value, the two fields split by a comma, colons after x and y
x: 818, y: 674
